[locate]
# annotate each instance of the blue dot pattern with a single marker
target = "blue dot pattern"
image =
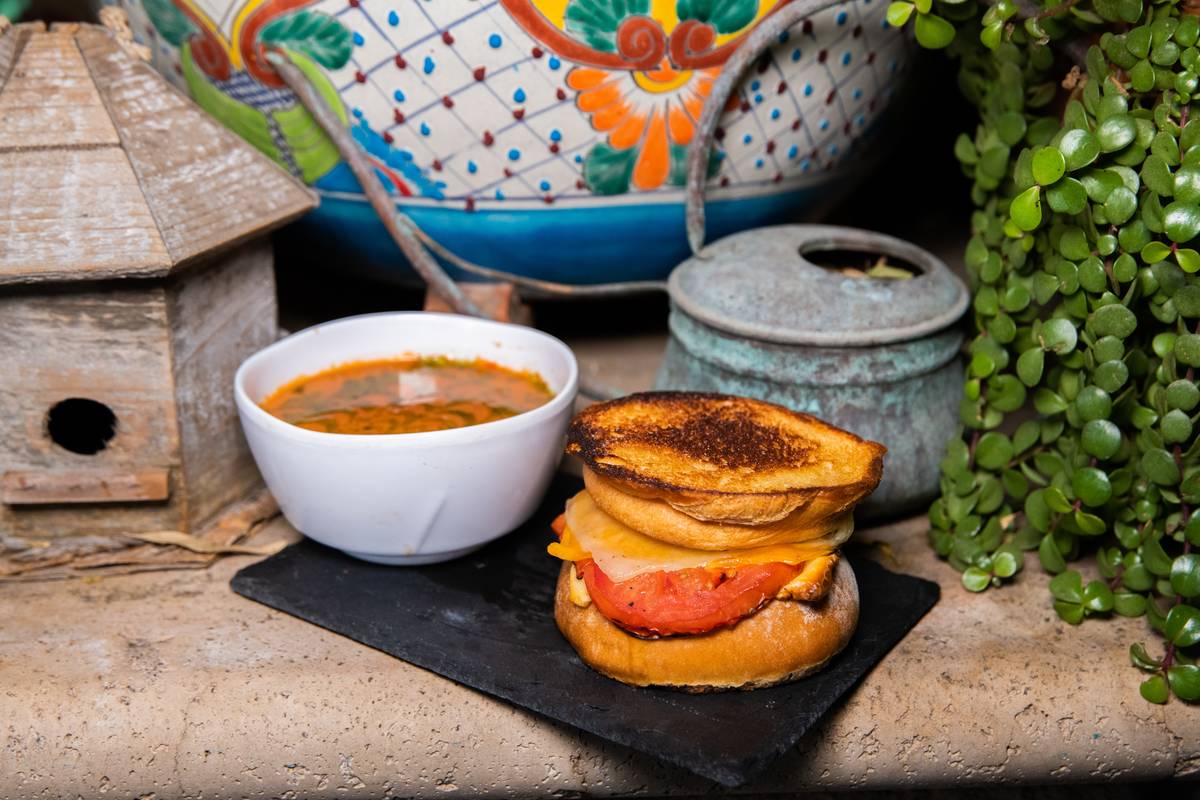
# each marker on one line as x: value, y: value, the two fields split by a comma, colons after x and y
x: 803, y: 135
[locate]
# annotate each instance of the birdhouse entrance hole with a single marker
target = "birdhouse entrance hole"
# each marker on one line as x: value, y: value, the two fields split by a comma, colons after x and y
x: 81, y: 425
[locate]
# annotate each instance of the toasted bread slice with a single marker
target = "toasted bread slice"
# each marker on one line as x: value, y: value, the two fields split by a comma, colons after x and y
x: 719, y: 458
x: 653, y: 517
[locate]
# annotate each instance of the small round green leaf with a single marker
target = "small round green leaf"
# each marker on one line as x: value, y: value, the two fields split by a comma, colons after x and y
x: 1047, y: 402
x: 1185, y: 575
x: 1067, y: 196
x: 993, y: 451
x: 1187, y: 349
x: 933, y: 32
x: 1155, y: 558
x: 1074, y: 245
x: 1079, y: 148
x: 1155, y: 252
x: 1097, y: 597
x: 1154, y: 690
x: 1091, y: 486
x: 1092, y: 402
x: 1049, y: 555
x: 1005, y: 564
x: 1101, y: 438
x: 1056, y: 500
x: 1120, y: 206
x: 1187, y: 301
x: 1030, y: 365
x: 1115, y: 133
x: 1111, y: 375
x: 1026, y: 209
x: 1011, y: 127
x: 1185, y: 681
x: 1048, y: 165
x: 898, y: 14
x: 1113, y: 320
x: 1067, y: 587
x: 1175, y: 426
x: 1187, y: 259
x: 1185, y: 185
x: 1182, y: 394
x: 1183, y: 625
x: 1058, y: 335
x: 1089, y: 524
x: 975, y: 579
x: 1129, y: 604
x: 1181, y: 221
x: 1159, y: 466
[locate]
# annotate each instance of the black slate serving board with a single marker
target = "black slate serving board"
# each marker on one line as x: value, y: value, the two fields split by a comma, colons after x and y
x: 486, y: 621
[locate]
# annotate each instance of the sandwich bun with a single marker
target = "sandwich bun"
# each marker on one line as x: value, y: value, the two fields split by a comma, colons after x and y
x: 781, y: 642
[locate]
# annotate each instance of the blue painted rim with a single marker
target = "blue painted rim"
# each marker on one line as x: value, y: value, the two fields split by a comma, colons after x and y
x: 571, y: 245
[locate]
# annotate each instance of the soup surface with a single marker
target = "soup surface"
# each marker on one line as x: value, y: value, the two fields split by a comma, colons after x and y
x: 406, y: 395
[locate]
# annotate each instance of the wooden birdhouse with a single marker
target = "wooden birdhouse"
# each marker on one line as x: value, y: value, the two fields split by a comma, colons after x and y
x: 135, y: 275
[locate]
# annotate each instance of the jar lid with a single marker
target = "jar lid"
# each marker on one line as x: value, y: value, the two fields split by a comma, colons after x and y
x: 760, y: 284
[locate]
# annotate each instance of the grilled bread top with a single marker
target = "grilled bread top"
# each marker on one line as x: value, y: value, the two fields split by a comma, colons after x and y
x: 722, y: 458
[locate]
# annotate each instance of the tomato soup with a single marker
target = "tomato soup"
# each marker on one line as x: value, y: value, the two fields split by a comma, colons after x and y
x: 406, y: 395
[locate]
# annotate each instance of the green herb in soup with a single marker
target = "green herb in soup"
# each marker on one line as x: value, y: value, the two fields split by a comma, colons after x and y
x: 406, y: 395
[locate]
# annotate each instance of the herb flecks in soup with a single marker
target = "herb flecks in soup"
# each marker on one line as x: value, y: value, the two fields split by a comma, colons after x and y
x: 406, y: 395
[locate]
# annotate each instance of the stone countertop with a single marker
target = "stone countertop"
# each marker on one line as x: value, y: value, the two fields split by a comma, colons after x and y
x: 167, y: 684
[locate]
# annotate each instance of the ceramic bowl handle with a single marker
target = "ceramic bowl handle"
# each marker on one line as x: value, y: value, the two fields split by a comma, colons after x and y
x: 761, y: 39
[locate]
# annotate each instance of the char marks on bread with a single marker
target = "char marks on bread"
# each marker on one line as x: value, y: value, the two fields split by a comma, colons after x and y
x: 724, y: 459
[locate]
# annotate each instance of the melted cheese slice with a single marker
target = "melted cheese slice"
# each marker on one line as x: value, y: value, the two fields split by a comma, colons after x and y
x: 623, y: 553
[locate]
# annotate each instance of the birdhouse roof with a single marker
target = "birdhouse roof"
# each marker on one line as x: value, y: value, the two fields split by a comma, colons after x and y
x: 107, y: 171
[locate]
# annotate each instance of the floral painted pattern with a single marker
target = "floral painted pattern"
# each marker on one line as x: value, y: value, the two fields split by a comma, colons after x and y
x: 649, y: 117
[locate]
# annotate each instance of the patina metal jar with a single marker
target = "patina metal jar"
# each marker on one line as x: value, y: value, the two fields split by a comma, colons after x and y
x: 754, y: 316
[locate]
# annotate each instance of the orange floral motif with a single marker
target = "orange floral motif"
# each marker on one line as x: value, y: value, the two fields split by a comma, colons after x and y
x: 650, y: 117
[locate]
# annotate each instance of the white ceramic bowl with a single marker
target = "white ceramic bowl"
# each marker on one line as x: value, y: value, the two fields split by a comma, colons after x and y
x: 411, y: 498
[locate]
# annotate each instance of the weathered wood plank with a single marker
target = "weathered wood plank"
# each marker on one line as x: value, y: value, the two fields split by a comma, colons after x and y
x: 219, y: 314
x: 108, y: 345
x: 46, y: 487
x: 75, y: 214
x: 49, y: 99
x: 206, y: 187
x: 11, y: 41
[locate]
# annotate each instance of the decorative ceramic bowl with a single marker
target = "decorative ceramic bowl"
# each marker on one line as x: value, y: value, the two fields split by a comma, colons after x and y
x: 409, y: 498
x: 545, y: 137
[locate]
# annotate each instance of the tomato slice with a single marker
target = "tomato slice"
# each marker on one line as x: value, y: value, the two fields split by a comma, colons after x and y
x: 686, y: 601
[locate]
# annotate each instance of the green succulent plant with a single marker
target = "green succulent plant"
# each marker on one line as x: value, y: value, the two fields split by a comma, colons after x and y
x: 1079, y: 416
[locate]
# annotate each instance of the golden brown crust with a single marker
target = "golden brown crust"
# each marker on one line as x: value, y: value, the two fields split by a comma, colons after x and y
x: 661, y: 521
x: 784, y: 641
x: 722, y: 458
